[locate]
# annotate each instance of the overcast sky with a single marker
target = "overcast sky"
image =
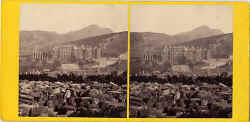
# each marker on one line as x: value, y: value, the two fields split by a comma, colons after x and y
x: 172, y: 19
x: 67, y: 17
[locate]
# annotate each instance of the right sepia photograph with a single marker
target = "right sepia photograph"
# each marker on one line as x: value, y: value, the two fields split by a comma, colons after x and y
x: 181, y: 60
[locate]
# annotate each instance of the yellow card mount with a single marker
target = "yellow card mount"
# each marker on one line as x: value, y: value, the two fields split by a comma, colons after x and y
x: 124, y: 61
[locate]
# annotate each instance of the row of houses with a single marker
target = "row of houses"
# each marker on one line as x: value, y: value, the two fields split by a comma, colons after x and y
x: 67, y: 53
x: 173, y: 54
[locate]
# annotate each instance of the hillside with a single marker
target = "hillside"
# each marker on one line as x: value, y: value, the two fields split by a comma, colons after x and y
x: 44, y: 39
x: 224, y: 43
x: 199, y: 32
x: 32, y: 39
x: 114, y: 44
x: 89, y: 31
x: 150, y: 40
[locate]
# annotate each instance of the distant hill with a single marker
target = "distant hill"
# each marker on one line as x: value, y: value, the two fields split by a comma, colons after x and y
x: 150, y: 40
x: 89, y: 31
x: 44, y: 39
x: 199, y: 32
x: 114, y: 44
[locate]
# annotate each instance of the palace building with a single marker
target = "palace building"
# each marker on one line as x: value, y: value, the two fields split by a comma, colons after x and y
x: 173, y: 54
x: 68, y: 53
x: 39, y: 54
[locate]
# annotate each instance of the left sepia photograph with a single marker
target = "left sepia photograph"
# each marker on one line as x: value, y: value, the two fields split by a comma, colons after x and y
x: 73, y: 60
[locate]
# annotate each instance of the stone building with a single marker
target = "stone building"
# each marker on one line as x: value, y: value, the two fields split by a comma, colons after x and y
x: 78, y: 53
x: 176, y: 55
x: 68, y: 53
x: 152, y: 57
x: 172, y: 53
x: 40, y: 55
x: 63, y: 53
x: 96, y: 52
x: 196, y: 54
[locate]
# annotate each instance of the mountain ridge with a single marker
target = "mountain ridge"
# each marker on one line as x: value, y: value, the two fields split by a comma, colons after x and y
x: 155, y: 40
x: 46, y: 39
x: 116, y: 43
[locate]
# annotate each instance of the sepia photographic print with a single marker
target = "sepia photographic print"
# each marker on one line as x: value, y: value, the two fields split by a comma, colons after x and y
x: 73, y: 60
x: 181, y: 61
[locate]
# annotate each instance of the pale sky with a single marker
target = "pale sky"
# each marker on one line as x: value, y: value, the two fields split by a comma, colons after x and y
x: 173, y: 19
x: 63, y: 18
